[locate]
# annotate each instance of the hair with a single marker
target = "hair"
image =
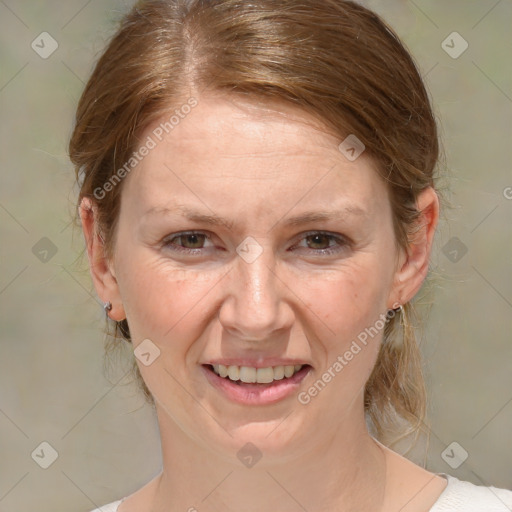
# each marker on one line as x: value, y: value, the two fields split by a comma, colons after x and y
x: 333, y: 59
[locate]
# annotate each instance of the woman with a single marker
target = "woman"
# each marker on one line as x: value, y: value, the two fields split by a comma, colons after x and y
x: 258, y: 203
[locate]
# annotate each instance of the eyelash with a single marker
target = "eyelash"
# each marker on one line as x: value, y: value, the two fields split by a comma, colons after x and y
x: 342, y: 242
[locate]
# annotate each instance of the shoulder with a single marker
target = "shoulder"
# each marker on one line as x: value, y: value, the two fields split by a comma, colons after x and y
x: 111, y: 507
x: 463, y: 496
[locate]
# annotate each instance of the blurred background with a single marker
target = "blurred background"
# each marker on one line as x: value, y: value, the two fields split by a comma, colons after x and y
x: 93, y: 431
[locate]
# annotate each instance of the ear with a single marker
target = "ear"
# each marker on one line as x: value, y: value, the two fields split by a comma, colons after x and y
x: 102, y: 270
x: 414, y: 262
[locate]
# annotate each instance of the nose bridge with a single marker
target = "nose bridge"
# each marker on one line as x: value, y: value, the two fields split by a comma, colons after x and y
x: 258, y: 280
x: 254, y: 306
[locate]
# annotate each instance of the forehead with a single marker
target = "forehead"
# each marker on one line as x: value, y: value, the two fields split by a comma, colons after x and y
x: 231, y: 126
x: 228, y: 151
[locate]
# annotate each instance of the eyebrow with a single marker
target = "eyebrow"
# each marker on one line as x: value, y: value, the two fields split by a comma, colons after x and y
x: 304, y: 218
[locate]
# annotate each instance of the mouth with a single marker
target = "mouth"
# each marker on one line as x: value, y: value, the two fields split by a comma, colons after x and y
x: 256, y: 386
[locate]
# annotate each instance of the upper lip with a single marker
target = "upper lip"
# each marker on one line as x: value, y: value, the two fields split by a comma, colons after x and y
x: 255, y: 363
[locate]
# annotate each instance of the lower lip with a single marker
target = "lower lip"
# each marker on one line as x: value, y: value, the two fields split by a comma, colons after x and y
x: 257, y: 394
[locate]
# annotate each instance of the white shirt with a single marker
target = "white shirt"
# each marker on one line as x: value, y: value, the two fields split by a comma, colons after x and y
x: 458, y: 496
x: 462, y: 496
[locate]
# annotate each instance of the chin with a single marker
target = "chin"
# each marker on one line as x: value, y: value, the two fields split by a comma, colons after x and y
x: 270, y: 441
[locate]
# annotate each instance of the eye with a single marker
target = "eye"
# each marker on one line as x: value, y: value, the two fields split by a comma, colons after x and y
x: 189, y: 242
x: 324, y: 243
x: 192, y: 242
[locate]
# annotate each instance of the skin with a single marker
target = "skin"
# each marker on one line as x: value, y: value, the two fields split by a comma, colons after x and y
x: 257, y: 167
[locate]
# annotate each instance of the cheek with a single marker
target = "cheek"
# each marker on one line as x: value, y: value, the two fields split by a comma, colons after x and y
x: 163, y: 303
x: 349, y: 326
x: 170, y: 308
x: 348, y: 309
x: 349, y: 298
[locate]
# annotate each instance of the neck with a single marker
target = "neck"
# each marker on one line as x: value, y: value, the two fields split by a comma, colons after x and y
x: 345, y: 471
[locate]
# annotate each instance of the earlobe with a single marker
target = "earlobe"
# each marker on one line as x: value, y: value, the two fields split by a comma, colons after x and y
x: 415, y: 260
x: 101, y: 269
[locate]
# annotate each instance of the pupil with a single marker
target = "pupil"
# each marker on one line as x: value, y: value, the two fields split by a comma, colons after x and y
x: 194, y: 239
x: 317, y: 237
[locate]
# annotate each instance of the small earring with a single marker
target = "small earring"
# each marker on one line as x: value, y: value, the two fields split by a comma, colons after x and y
x: 393, y: 311
x: 107, y: 306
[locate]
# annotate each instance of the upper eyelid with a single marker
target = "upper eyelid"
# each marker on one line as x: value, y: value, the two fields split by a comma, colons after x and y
x: 168, y: 238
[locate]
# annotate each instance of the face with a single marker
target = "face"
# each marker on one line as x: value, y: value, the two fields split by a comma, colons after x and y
x: 246, y: 238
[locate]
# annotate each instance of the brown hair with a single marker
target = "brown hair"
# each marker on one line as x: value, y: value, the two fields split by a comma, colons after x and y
x: 334, y: 59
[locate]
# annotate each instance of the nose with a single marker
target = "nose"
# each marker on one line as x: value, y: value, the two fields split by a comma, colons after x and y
x: 257, y: 299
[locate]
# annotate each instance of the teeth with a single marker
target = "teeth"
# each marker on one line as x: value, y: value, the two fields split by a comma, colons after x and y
x: 264, y: 375
x: 249, y: 374
x: 278, y: 372
x: 234, y: 373
x: 289, y: 371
